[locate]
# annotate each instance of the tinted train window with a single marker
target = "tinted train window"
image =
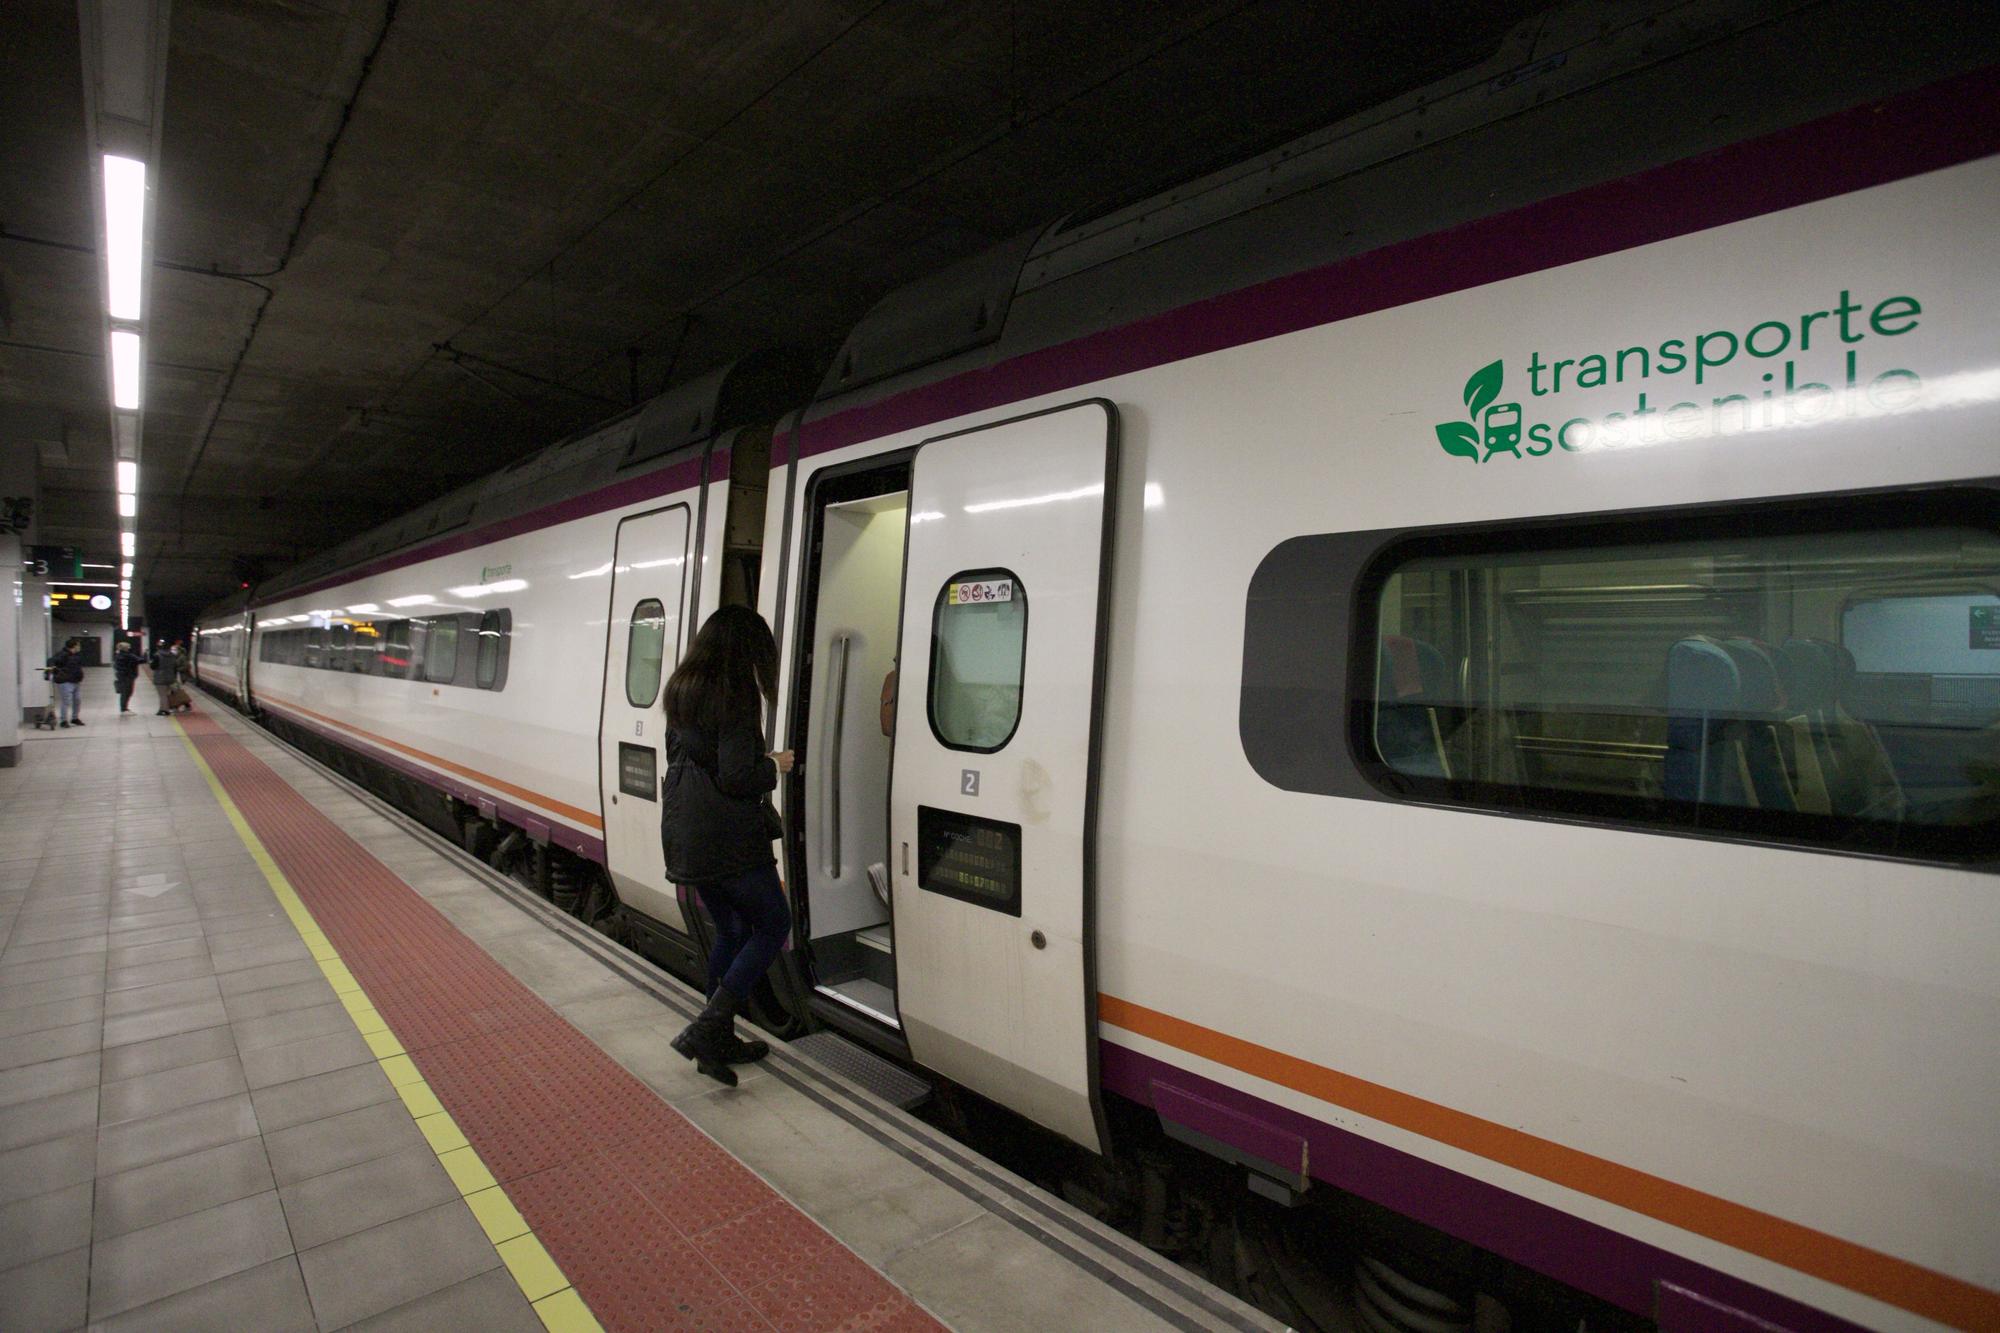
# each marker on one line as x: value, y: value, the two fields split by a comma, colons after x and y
x: 495, y: 634
x: 396, y: 649
x: 315, y: 647
x: 1837, y: 683
x: 645, y: 648
x: 441, y: 649
x: 979, y: 646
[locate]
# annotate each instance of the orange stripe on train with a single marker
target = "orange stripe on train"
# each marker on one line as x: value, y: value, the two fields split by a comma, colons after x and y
x: 550, y: 803
x: 1884, y: 1277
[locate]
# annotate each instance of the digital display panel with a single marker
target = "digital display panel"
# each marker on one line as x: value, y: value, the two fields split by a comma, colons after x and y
x: 969, y: 858
x: 637, y: 771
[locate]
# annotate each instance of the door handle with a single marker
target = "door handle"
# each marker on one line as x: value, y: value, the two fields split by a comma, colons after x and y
x: 837, y: 725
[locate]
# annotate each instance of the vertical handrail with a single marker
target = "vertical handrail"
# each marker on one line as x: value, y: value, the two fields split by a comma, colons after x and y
x: 836, y: 727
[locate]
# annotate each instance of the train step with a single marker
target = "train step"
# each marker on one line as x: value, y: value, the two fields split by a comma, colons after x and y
x: 891, y: 1082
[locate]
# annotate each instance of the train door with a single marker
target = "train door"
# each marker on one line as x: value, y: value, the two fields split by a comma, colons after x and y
x: 245, y: 634
x: 991, y: 807
x: 648, y: 583
x: 839, y: 795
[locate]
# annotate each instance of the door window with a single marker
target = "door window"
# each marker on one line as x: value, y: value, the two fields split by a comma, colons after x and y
x: 495, y: 627
x: 979, y: 646
x: 645, y: 649
x: 396, y: 650
x: 441, y: 649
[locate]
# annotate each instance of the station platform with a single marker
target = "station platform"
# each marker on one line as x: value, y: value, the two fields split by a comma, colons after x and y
x: 273, y: 1057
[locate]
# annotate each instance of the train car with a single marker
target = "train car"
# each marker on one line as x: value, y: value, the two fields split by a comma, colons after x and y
x: 219, y: 650
x: 1455, y: 665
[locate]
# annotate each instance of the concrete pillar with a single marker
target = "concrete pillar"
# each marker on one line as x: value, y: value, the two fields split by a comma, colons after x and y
x: 35, y: 647
x: 12, y: 612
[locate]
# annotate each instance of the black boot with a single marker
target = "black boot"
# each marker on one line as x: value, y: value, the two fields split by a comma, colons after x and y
x: 737, y: 1051
x: 706, y: 1040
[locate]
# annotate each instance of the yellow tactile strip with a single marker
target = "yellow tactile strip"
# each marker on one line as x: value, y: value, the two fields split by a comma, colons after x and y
x: 541, y: 1280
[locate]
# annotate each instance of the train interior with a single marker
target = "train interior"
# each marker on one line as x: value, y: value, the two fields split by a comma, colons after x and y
x: 844, y: 701
x: 1853, y: 676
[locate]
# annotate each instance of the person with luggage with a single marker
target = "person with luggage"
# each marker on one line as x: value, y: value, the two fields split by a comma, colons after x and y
x: 66, y: 670
x: 179, y: 700
x: 125, y: 661
x: 717, y: 823
x: 167, y: 676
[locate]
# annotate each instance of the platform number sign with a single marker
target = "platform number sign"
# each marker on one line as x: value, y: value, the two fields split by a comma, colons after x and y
x: 968, y: 782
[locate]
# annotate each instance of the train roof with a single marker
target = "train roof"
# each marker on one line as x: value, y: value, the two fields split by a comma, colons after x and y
x: 1455, y: 150
x: 678, y: 424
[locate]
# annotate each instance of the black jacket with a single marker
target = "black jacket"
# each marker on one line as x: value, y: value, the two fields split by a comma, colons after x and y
x: 715, y: 816
x: 126, y: 663
x: 68, y: 667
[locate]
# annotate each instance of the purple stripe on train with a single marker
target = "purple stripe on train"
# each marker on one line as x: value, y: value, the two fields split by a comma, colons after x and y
x: 680, y: 477
x: 1592, y: 1258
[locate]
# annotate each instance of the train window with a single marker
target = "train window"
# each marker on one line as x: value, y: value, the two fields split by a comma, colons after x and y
x: 441, y: 650
x: 315, y: 647
x: 495, y: 632
x: 340, y: 648
x: 979, y: 646
x: 366, y: 655
x: 645, y: 649
x: 396, y: 649
x: 1838, y: 683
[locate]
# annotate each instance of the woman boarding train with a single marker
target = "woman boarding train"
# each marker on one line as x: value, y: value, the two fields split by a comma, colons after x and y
x: 717, y: 823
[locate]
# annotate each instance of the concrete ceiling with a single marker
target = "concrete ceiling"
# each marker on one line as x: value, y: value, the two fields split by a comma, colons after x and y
x: 398, y: 245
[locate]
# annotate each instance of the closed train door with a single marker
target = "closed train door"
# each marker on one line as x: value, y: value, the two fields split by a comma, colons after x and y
x: 648, y: 605
x: 994, y: 781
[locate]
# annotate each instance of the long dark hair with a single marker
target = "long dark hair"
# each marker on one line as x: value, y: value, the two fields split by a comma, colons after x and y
x: 732, y: 662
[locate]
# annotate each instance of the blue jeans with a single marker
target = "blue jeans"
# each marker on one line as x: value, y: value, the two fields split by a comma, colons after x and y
x: 751, y: 922
x: 68, y: 693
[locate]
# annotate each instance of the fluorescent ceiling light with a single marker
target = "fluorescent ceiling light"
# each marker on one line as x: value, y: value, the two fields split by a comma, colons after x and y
x: 421, y: 599
x: 128, y: 478
x: 364, y: 608
x: 127, y: 544
x: 128, y: 506
x: 124, y: 232
x: 124, y: 368
x: 125, y: 570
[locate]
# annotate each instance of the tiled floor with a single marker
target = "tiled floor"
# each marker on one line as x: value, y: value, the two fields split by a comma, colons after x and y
x: 191, y: 1133
x: 189, y: 1139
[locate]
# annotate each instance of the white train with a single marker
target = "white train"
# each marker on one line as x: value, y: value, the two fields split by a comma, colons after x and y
x: 1457, y: 663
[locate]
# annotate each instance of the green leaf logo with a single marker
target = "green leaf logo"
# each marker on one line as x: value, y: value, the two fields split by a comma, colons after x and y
x: 1459, y: 438
x: 1482, y: 388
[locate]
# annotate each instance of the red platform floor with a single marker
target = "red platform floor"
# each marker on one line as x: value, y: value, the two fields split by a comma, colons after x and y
x: 653, y: 1224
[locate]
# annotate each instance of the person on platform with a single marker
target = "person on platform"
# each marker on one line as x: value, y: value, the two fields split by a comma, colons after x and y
x: 182, y: 701
x: 125, y: 661
x: 717, y: 823
x: 66, y: 670
x: 166, y: 675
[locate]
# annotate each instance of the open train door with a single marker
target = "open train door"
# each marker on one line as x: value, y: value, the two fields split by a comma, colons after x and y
x: 992, y: 798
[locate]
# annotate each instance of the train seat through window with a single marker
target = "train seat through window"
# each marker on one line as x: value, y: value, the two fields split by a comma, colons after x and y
x: 1413, y: 683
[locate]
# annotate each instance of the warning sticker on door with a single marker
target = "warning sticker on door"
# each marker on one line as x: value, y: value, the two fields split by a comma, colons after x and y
x: 982, y: 590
